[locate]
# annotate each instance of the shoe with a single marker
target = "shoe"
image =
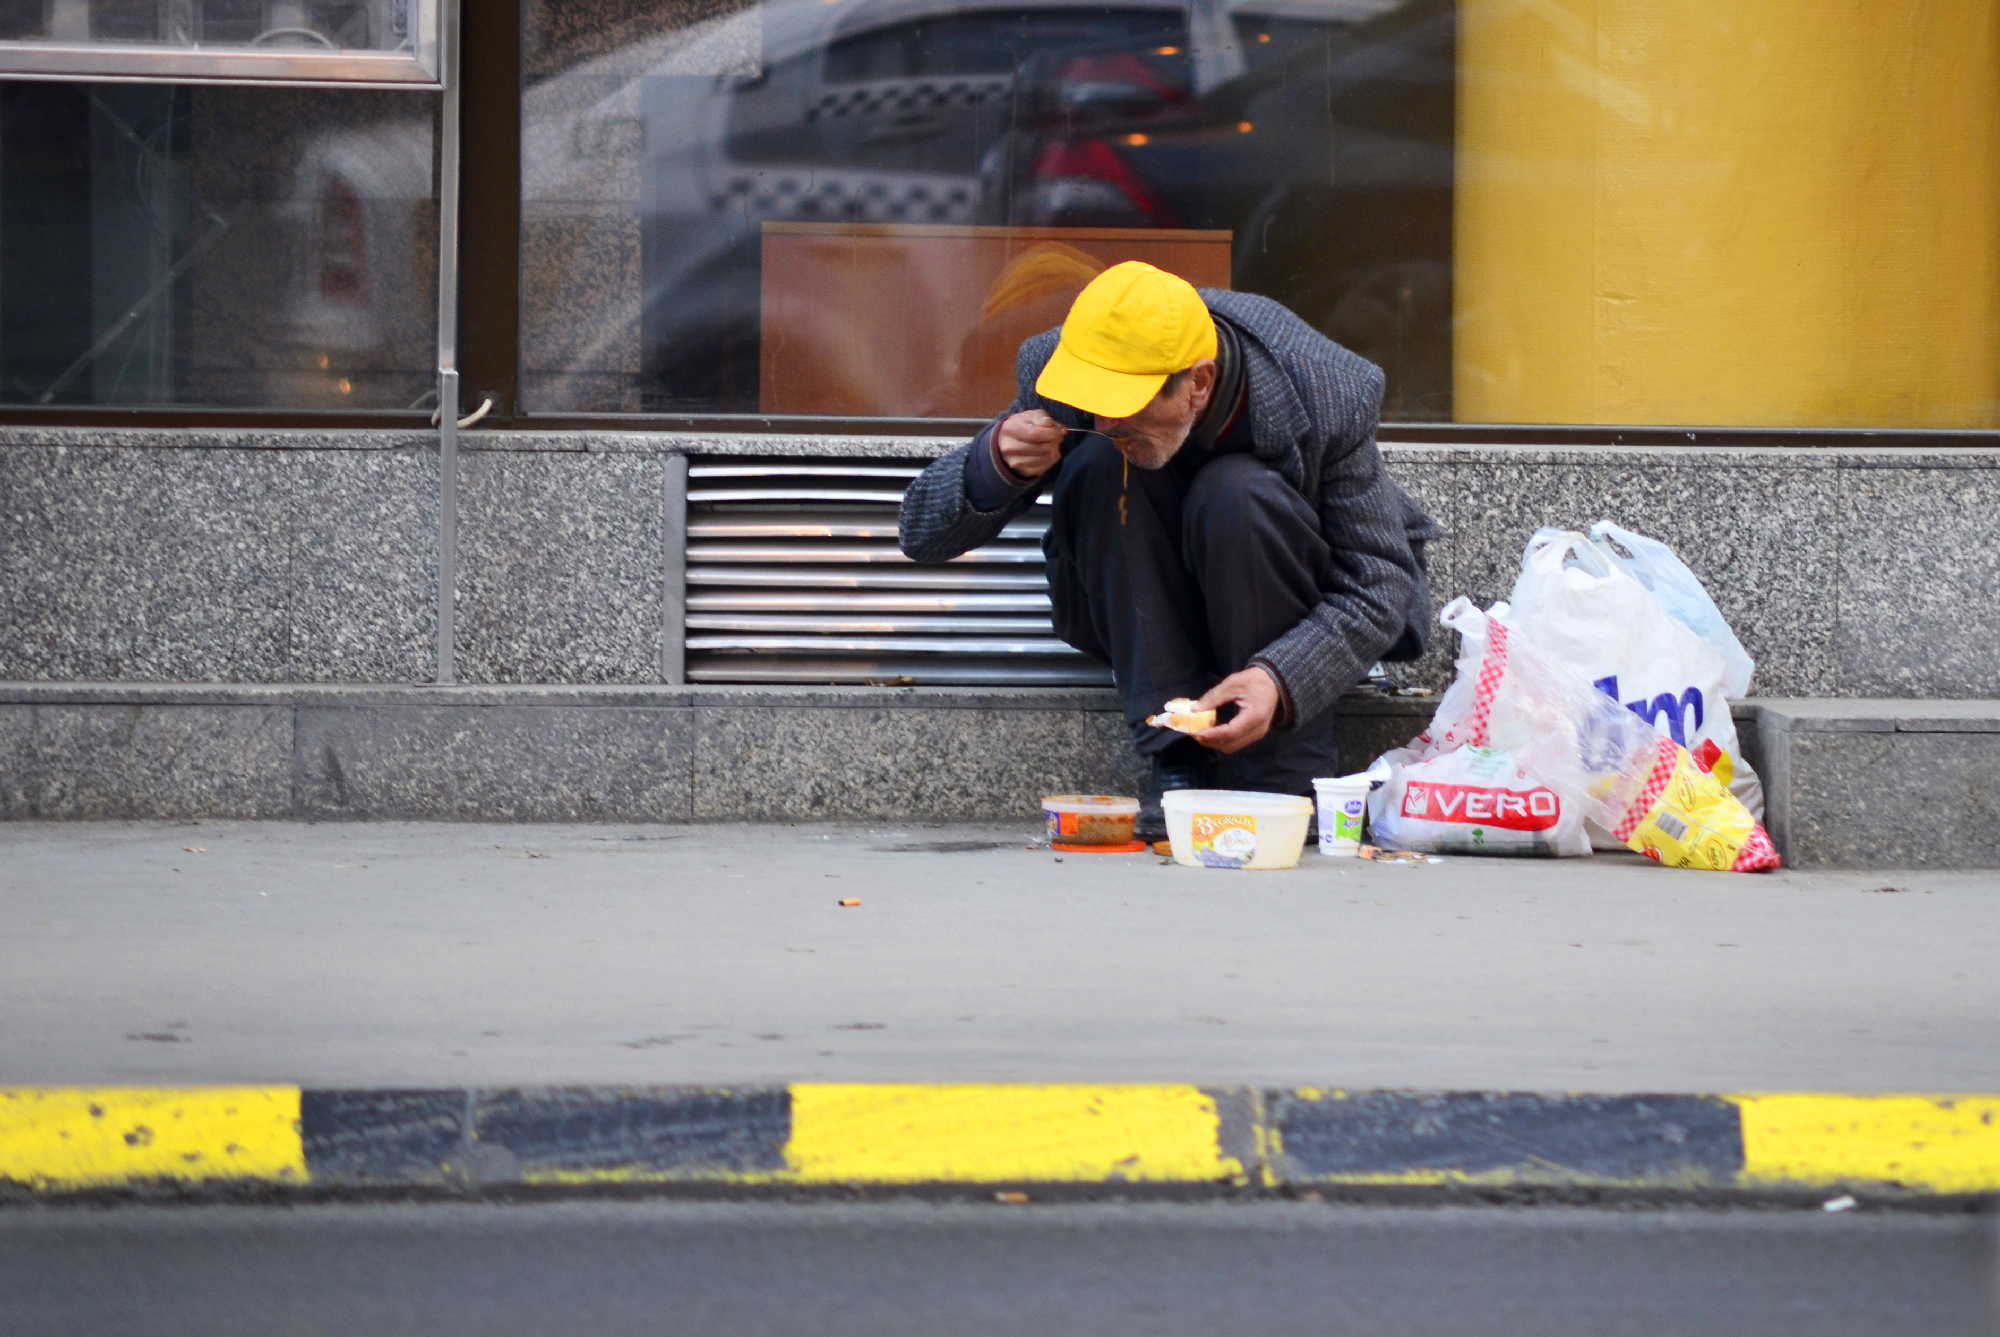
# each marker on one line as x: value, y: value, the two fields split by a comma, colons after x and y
x: 1170, y: 771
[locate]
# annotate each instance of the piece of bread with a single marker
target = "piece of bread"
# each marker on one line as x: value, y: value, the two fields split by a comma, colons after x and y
x: 1181, y: 715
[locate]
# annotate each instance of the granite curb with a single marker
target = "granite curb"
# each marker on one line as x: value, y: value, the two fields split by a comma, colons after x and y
x: 196, y: 1142
x: 617, y: 753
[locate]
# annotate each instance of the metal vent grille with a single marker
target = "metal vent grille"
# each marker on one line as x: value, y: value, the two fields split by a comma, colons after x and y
x: 794, y: 576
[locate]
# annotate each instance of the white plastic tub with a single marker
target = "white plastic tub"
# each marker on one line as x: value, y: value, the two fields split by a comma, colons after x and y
x: 1236, y: 828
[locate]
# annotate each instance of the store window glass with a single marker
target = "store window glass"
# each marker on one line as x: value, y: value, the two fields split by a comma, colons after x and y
x: 166, y: 245
x: 858, y: 208
x: 1582, y: 211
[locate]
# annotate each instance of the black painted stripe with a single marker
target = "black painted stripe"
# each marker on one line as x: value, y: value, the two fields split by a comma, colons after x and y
x: 661, y: 1130
x: 395, y: 1137
x: 1523, y: 1137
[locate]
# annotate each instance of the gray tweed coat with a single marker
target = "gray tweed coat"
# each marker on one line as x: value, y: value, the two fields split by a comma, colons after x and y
x: 1313, y: 408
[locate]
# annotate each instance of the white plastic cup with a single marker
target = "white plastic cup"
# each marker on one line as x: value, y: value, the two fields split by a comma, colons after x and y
x: 1343, y: 807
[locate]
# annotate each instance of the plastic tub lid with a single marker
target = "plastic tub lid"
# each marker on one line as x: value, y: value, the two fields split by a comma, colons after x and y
x: 1236, y: 800
x: 1103, y: 805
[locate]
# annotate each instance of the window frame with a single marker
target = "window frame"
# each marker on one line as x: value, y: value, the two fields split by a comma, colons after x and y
x: 419, y: 68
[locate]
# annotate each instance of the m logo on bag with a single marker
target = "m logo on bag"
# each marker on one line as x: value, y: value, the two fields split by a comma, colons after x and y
x: 1675, y: 709
x: 1513, y: 809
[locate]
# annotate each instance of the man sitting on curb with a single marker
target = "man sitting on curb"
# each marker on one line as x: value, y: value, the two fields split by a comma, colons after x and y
x: 1223, y: 526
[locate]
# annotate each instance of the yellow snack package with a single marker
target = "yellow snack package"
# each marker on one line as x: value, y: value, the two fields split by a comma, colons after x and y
x: 1685, y: 816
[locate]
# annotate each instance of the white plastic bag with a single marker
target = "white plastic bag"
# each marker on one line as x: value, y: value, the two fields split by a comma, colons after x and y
x: 1649, y: 792
x: 1584, y: 608
x: 1470, y: 800
x: 1654, y: 565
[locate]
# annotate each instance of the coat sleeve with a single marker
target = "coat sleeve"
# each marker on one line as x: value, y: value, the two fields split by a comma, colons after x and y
x: 938, y: 520
x: 1378, y: 589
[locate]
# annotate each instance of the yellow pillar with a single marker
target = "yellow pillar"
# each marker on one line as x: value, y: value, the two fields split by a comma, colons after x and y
x: 1781, y: 213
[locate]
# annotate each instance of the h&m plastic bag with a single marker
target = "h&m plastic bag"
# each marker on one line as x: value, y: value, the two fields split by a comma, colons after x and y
x: 1583, y: 606
x: 1470, y: 800
x: 1648, y: 791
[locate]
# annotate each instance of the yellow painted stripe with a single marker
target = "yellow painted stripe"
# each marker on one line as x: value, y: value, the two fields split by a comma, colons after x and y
x: 1001, y: 1134
x: 1947, y: 1144
x: 72, y: 1137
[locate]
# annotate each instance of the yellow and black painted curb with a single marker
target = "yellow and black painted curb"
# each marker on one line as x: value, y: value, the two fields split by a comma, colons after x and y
x: 57, y: 1140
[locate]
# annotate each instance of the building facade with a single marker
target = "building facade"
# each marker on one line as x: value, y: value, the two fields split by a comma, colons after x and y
x: 717, y: 277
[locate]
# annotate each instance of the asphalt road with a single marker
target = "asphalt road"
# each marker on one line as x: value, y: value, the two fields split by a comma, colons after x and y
x: 880, y: 1269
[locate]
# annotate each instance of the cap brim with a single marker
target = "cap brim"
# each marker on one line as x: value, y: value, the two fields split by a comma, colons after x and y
x: 1068, y: 379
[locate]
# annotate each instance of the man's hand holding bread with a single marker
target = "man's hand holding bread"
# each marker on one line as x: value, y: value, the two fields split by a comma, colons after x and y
x: 1254, y: 693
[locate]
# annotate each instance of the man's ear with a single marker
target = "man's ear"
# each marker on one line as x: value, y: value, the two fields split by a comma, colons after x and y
x: 1204, y: 375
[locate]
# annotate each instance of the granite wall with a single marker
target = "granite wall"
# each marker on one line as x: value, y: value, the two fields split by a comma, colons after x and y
x: 549, y: 754
x: 239, y: 624
x: 267, y: 557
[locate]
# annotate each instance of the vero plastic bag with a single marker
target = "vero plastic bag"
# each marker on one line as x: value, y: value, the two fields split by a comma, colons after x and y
x: 1649, y: 792
x: 1471, y: 800
x: 1654, y: 565
x: 1583, y: 607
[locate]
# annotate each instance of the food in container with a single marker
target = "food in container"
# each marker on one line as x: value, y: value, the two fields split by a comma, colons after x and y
x: 1236, y: 828
x: 1094, y: 821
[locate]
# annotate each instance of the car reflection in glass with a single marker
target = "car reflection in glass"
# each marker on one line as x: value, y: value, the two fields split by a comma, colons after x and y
x: 1318, y: 135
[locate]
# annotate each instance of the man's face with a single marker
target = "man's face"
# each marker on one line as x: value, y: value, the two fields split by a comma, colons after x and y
x: 1154, y: 435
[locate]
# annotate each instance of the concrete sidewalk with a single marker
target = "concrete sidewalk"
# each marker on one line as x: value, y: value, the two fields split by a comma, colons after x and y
x: 380, y: 954
x: 466, y: 959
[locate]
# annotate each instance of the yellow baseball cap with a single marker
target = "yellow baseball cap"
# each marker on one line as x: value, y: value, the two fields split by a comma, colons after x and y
x: 1129, y: 329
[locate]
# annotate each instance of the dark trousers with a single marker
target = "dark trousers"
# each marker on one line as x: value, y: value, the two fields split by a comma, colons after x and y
x: 1175, y: 577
